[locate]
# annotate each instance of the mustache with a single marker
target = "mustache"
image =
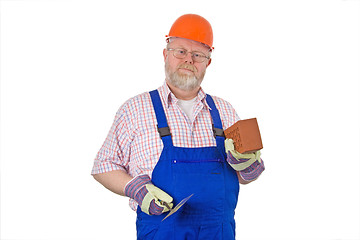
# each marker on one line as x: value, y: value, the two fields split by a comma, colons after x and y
x: 187, y: 66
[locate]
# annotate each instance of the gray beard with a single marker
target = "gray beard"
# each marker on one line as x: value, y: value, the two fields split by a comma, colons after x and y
x: 183, y: 81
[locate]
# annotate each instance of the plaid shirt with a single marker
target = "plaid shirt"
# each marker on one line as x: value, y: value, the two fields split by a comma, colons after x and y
x: 133, y: 143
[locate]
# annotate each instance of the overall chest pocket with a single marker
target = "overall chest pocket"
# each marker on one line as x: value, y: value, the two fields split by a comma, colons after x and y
x: 204, y: 179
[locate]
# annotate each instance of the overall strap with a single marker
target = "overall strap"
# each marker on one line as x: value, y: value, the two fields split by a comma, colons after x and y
x: 163, y: 128
x: 217, y: 125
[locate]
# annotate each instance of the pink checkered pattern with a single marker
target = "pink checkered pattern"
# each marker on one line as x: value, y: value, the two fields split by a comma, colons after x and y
x: 133, y: 143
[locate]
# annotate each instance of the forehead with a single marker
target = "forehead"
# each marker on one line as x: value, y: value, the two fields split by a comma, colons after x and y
x: 188, y: 44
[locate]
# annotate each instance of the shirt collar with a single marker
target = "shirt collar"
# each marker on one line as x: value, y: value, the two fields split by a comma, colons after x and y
x: 168, y: 97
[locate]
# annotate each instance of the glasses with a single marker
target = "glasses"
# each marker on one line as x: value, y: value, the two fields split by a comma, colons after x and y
x: 182, y: 53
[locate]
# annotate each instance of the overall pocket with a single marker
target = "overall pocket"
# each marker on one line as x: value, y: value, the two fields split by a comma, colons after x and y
x: 204, y: 179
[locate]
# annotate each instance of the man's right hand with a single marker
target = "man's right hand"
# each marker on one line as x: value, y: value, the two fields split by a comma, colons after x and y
x: 150, y: 198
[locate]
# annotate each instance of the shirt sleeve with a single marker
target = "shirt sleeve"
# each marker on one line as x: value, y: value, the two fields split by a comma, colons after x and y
x: 115, y: 151
x: 227, y: 113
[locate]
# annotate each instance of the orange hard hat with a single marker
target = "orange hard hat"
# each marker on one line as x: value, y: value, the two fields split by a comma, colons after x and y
x: 193, y: 27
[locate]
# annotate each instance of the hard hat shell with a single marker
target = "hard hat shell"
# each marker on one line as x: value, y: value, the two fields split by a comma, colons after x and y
x: 193, y: 27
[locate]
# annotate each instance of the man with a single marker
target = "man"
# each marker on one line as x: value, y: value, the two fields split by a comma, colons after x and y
x: 168, y: 144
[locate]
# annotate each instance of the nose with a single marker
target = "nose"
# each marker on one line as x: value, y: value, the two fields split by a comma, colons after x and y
x: 188, y: 58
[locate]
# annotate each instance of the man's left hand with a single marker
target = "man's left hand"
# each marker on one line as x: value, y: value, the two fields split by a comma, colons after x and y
x: 250, y: 165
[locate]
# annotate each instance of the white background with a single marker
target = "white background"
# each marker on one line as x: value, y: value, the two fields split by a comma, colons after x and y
x: 67, y: 66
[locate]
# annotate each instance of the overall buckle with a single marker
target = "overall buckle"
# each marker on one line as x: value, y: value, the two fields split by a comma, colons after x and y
x: 164, y: 131
x: 218, y: 132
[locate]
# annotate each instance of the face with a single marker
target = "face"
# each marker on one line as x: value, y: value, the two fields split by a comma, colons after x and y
x: 185, y: 73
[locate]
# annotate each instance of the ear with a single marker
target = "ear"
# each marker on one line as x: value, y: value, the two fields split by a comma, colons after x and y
x: 208, y: 62
x: 165, y: 54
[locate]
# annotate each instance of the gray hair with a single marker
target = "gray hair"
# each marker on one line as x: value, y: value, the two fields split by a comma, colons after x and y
x: 170, y: 39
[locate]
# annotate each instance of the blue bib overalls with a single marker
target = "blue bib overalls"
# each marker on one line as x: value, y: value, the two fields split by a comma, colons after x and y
x: 204, y: 172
